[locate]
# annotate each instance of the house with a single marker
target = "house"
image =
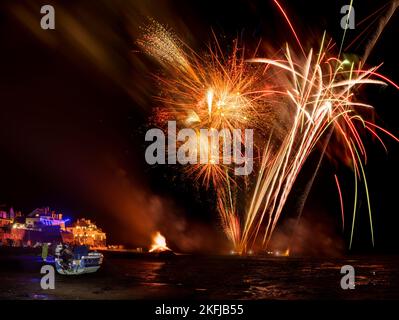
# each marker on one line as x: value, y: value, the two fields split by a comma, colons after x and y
x: 85, y: 232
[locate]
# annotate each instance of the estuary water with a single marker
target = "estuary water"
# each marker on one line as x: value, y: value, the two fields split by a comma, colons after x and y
x: 207, y: 277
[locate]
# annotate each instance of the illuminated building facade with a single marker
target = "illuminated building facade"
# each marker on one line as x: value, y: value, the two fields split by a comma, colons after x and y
x: 43, y: 217
x: 87, y: 233
x: 5, y: 219
x: 41, y: 225
x: 45, y: 225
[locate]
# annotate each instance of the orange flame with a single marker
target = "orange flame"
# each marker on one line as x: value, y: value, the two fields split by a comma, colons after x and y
x: 158, y: 243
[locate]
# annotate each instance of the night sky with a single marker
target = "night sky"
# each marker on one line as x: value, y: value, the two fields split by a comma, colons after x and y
x: 75, y: 104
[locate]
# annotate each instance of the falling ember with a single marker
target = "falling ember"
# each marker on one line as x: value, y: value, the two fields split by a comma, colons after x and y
x: 159, y: 243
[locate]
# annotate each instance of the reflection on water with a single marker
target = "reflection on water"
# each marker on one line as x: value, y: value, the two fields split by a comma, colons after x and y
x: 277, y: 278
x: 150, y: 275
x: 219, y: 277
x: 141, y: 271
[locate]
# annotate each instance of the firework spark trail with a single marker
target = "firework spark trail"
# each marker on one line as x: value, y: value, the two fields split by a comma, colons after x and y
x: 253, y: 212
x: 383, y: 22
x: 164, y: 46
x: 309, y: 185
x: 321, y: 102
x: 381, y: 27
x: 215, y: 92
x: 340, y: 201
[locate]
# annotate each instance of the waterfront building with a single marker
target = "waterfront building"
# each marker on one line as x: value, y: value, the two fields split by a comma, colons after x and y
x: 85, y: 232
x: 5, y: 219
x: 40, y: 226
x: 43, y: 225
x: 43, y: 217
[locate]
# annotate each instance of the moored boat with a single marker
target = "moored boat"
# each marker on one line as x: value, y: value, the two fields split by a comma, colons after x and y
x: 77, y: 261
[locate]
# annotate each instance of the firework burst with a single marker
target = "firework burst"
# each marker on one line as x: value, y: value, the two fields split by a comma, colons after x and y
x: 218, y: 91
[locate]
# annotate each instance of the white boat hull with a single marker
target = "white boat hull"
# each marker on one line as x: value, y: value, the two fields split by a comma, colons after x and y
x: 87, y: 264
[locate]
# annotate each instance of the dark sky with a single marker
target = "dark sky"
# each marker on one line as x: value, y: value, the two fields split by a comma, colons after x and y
x: 74, y: 104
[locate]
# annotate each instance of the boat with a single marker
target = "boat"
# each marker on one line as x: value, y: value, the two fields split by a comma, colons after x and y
x: 77, y: 261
